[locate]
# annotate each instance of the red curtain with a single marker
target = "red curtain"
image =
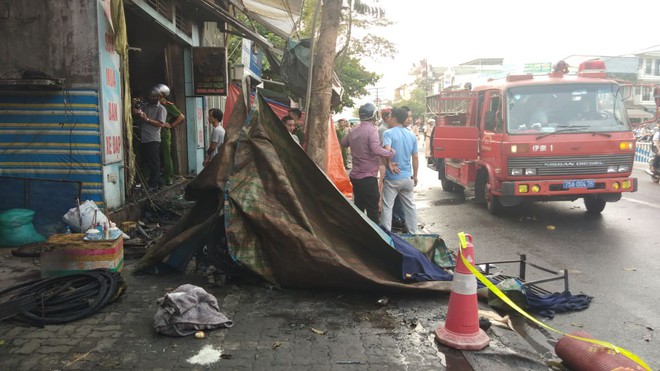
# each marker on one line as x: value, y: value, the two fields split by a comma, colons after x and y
x: 232, y: 96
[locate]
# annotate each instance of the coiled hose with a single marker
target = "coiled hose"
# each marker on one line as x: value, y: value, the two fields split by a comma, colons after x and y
x: 61, y: 299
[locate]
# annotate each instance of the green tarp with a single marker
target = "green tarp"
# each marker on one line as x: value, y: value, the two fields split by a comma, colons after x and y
x: 284, y: 219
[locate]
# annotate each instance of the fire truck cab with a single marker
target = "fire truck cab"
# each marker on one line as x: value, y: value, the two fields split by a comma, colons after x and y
x: 536, y: 138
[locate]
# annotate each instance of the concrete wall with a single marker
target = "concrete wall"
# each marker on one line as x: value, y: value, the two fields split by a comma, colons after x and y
x: 56, y: 37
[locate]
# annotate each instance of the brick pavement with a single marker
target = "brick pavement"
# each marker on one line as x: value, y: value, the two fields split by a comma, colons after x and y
x: 273, y: 330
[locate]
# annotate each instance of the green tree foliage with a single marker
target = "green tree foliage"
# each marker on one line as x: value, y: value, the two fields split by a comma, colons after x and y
x: 352, y: 74
x: 353, y: 44
x: 354, y: 78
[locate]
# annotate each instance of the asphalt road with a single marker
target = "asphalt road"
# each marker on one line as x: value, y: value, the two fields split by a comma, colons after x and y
x: 614, y: 257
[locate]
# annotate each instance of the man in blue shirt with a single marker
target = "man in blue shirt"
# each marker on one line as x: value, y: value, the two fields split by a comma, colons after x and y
x: 401, y: 172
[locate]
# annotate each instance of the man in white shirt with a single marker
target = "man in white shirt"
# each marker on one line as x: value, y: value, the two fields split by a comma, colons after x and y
x: 290, y: 125
x: 217, y: 135
x: 152, y: 118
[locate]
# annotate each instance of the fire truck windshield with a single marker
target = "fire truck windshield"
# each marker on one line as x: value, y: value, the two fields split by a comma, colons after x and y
x: 565, y: 108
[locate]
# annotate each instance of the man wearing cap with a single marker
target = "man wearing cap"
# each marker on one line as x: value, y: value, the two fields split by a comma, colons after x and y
x: 365, y: 153
x: 152, y: 120
x: 174, y: 118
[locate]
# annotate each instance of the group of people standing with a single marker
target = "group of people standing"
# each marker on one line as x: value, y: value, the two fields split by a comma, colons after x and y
x: 157, y: 117
x: 384, y: 168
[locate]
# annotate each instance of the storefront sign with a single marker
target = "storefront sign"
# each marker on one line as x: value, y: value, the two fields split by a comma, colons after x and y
x: 110, y: 92
x: 252, y: 58
x: 209, y: 71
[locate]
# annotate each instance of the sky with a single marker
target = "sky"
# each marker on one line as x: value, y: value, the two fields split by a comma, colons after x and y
x: 450, y: 32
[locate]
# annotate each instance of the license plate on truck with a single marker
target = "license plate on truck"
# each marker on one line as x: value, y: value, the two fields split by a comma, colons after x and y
x: 581, y: 183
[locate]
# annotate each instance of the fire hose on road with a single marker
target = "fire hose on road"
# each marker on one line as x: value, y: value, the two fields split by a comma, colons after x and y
x: 61, y: 299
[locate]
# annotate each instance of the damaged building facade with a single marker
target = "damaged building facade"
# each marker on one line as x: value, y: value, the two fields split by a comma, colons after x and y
x: 67, y: 72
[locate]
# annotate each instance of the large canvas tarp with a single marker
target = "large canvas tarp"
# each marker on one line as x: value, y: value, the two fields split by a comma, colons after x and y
x: 283, y: 218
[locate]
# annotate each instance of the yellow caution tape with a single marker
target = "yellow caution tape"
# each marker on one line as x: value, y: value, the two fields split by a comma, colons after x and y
x: 504, y: 298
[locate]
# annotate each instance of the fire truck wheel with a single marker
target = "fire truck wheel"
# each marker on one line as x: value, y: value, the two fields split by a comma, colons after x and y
x: 448, y: 185
x: 492, y: 201
x: 594, y: 205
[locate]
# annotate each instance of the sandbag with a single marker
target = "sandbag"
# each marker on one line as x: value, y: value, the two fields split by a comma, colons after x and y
x: 16, y: 228
x: 87, y: 209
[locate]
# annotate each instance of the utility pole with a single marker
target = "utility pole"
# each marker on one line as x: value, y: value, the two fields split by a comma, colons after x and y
x: 377, y: 89
x: 426, y: 87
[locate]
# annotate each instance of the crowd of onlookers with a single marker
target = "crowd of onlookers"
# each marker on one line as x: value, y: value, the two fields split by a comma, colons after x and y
x: 644, y: 133
x: 382, y: 157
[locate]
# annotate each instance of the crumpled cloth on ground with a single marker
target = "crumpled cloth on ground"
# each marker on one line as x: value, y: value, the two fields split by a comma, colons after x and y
x: 548, y: 305
x: 187, y: 310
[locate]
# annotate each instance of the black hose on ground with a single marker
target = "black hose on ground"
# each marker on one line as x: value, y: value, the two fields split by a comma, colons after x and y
x: 61, y: 299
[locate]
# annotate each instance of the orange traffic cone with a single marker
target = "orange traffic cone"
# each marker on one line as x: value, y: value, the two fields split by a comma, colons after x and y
x: 461, y: 329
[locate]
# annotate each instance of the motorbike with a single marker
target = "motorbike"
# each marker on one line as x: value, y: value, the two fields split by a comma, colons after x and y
x: 654, y: 172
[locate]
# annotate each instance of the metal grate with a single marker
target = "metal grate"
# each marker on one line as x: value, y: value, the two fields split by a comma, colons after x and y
x: 571, y: 165
x: 162, y: 7
x: 182, y: 22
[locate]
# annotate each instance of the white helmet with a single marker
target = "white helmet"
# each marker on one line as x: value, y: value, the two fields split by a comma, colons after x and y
x: 164, y: 90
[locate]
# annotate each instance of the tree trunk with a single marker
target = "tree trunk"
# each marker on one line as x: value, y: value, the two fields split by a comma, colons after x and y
x: 319, y: 103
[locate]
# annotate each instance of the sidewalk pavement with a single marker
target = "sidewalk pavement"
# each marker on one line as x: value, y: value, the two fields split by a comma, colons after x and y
x: 273, y: 330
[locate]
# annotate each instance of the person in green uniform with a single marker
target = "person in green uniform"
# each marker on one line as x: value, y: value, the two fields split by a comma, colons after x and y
x: 174, y: 118
x: 342, y: 130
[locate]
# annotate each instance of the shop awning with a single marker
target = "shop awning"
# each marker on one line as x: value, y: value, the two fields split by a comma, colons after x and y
x: 231, y: 20
x: 279, y: 16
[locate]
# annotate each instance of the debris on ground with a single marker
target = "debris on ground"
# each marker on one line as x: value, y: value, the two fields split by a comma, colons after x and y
x: 317, y: 331
x: 496, y: 320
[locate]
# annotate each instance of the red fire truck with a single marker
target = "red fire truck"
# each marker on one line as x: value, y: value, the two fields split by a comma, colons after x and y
x: 536, y: 138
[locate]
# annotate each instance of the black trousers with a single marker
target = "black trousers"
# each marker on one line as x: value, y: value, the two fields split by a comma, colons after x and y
x: 366, y: 195
x: 151, y: 158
